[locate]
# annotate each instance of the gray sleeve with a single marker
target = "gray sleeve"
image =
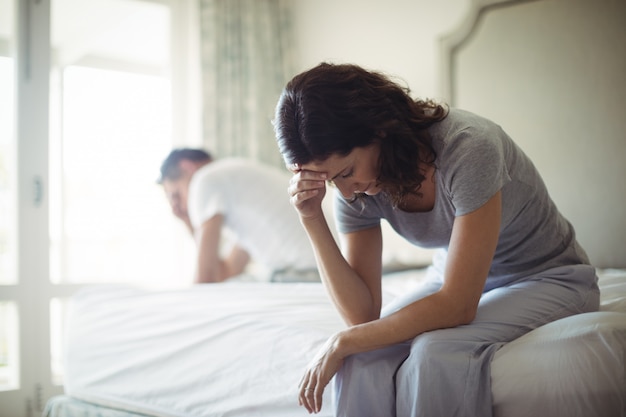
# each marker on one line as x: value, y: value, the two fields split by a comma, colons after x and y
x: 474, y: 167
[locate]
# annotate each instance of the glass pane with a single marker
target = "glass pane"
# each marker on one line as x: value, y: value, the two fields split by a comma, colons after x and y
x: 9, y: 356
x: 116, y: 130
x: 8, y: 193
x: 111, y: 98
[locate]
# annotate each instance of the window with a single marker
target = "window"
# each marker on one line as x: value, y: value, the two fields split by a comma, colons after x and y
x: 111, y: 107
x: 107, y: 209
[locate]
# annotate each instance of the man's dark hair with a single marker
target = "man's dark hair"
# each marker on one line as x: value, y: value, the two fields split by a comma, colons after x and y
x: 170, y: 168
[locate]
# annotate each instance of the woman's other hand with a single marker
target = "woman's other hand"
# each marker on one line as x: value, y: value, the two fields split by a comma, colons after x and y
x: 318, y: 374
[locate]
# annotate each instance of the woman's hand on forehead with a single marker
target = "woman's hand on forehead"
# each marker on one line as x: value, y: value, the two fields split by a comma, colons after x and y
x: 306, y: 190
x: 309, y: 171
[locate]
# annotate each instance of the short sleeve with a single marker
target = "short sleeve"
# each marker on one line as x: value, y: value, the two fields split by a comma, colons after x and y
x: 206, y: 199
x: 475, y: 168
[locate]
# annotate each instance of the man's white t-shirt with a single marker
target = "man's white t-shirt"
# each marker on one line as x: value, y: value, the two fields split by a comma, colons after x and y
x: 254, y: 202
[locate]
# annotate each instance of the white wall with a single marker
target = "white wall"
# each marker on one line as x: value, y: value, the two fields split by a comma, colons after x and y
x: 553, y: 74
x: 395, y: 36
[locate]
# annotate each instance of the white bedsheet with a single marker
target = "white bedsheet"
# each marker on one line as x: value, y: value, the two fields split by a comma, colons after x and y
x: 238, y: 349
x: 214, y: 350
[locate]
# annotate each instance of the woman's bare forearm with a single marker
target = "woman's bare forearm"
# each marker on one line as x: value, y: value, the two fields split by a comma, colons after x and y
x: 348, y: 291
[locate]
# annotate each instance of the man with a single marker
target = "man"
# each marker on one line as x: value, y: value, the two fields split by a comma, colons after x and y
x: 246, y: 198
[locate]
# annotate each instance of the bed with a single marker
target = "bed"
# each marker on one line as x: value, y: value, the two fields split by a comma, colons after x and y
x: 238, y: 349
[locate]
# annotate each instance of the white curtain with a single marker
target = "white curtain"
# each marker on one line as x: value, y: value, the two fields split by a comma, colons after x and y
x: 246, y: 60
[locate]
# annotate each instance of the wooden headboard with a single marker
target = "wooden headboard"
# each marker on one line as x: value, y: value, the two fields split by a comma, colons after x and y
x: 552, y: 73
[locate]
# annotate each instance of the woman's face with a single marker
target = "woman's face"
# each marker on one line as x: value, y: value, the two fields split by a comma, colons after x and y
x: 354, y: 173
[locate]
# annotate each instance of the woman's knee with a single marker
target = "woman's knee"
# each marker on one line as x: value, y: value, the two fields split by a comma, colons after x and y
x: 434, y: 351
x: 364, y: 385
x: 382, y: 362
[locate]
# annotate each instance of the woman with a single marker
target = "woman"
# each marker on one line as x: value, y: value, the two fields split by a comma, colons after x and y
x: 442, y: 178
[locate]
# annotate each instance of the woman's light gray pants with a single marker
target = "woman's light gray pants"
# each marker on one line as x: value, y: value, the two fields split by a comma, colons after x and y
x: 446, y: 373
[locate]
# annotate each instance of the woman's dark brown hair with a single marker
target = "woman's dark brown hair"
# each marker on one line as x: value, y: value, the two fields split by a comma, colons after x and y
x: 332, y: 109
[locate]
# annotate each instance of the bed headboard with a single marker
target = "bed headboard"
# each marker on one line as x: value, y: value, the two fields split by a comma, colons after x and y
x: 552, y: 73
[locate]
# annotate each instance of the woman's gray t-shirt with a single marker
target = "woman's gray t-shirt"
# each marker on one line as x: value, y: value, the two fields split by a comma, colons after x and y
x: 476, y: 159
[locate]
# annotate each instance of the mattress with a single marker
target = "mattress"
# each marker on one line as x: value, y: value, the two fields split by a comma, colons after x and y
x: 233, y: 349
x: 239, y: 349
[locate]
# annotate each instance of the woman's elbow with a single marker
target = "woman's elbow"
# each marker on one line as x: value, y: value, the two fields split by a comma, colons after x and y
x: 466, y: 314
x: 458, y: 309
x: 362, y: 317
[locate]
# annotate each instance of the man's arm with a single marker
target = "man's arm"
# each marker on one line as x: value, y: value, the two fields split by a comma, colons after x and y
x: 210, y: 267
x: 236, y: 262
